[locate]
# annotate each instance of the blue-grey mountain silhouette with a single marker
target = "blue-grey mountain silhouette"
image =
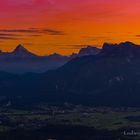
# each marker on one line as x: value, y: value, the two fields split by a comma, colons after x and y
x: 110, y: 78
x: 20, y: 60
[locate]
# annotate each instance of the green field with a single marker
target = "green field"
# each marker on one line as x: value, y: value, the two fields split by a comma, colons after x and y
x: 98, y: 118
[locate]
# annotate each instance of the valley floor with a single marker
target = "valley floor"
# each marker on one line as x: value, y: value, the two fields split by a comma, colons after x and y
x: 69, y: 122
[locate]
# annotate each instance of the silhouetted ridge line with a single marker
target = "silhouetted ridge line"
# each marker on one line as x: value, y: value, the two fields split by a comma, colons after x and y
x: 123, y: 49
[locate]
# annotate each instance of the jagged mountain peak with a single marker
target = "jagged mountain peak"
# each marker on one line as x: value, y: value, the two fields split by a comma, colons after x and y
x: 21, y: 51
x: 123, y: 49
x: 127, y: 43
x: 20, y: 48
x: 55, y: 54
x: 121, y: 45
x: 89, y: 50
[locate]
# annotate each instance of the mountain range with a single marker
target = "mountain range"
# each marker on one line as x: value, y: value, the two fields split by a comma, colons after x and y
x: 20, y: 60
x: 109, y: 78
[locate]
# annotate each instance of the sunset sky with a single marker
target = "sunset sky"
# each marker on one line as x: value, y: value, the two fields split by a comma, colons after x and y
x: 64, y: 26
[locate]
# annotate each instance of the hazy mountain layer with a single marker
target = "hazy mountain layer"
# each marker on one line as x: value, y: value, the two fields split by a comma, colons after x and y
x: 23, y: 61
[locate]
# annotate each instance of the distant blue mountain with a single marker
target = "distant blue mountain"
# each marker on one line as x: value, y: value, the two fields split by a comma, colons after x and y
x: 23, y: 61
x: 89, y: 50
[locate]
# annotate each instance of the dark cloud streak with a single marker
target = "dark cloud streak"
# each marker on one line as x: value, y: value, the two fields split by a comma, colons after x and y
x: 33, y: 30
x: 8, y: 35
x: 53, y: 32
x: 137, y: 35
x: 7, y: 38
